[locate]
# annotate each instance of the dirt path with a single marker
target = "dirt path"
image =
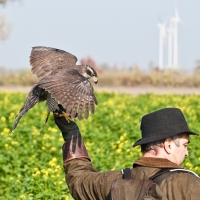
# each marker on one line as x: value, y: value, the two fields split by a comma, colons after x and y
x: 128, y: 90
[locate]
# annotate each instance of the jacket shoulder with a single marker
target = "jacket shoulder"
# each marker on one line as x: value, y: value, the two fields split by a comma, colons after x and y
x: 181, y: 185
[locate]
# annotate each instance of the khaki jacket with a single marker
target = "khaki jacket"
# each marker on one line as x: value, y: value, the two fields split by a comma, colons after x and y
x: 86, y: 183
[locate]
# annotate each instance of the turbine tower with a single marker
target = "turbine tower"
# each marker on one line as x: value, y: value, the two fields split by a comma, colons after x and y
x: 175, y: 20
x: 162, y: 34
x: 170, y: 40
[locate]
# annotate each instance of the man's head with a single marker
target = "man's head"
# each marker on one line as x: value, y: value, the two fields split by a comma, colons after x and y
x: 173, y: 149
x: 167, y: 130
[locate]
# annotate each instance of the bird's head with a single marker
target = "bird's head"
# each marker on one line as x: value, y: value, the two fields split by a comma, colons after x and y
x: 89, y: 72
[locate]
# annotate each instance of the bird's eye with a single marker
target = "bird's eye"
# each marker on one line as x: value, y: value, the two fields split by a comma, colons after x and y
x: 89, y: 72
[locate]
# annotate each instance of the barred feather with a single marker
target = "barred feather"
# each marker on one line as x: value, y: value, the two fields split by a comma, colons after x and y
x: 51, y: 103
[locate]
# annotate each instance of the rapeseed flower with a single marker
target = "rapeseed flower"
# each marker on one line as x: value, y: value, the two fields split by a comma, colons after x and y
x: 108, y: 135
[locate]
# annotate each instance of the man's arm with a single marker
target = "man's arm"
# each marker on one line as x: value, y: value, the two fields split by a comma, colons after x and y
x: 83, y: 180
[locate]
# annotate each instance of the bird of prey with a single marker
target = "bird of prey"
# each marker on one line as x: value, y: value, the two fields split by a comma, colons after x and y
x: 61, y: 81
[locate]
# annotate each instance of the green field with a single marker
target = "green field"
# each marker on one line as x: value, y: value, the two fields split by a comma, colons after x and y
x: 31, y: 161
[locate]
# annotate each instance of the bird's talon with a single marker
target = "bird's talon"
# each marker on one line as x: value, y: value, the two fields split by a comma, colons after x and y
x: 66, y: 116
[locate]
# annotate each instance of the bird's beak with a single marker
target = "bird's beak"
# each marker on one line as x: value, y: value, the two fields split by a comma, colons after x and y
x: 95, y: 79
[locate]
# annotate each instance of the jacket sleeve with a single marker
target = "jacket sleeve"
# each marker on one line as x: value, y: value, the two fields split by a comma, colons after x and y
x: 85, y: 182
x: 181, y: 186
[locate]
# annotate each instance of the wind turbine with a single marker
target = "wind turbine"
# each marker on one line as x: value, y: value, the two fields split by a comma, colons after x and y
x: 162, y: 35
x: 175, y: 20
x: 170, y: 40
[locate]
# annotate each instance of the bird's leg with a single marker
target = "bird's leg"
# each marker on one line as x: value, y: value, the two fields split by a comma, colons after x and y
x: 45, y: 121
x: 66, y: 116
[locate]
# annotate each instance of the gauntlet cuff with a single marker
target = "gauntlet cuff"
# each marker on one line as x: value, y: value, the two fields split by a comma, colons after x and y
x: 74, y: 147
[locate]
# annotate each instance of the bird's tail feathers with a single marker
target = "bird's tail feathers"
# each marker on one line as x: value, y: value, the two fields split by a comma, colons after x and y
x: 29, y: 103
x: 16, y: 122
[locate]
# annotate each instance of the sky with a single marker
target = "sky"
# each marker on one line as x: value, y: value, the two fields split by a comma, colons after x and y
x: 116, y: 32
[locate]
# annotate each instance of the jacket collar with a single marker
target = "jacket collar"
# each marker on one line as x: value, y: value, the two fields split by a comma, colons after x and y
x: 155, y: 162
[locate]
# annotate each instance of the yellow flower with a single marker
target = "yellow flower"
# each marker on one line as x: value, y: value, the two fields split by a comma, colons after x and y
x: 60, y: 139
x: 60, y: 182
x: 53, y: 162
x: 120, y: 145
x: 54, y: 130
x: 35, y: 132
x: 118, y: 150
x: 12, y: 114
x: 45, y: 172
x: 37, y: 172
x: 188, y: 164
x: 19, y: 175
x: 49, y: 170
x: 53, y: 149
x: 23, y: 197
x: 6, y: 130
x: 34, y: 141
x: 54, y: 159
x: 121, y: 138
x: 14, y: 142
x: 3, y: 119
x: 18, y: 181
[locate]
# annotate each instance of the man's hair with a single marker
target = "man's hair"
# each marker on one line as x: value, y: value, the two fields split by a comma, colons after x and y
x: 154, y: 145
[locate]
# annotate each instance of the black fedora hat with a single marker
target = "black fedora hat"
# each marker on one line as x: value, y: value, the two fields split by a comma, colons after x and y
x: 162, y: 124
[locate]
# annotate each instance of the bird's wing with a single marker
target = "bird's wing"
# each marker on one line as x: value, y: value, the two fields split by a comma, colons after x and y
x: 45, y: 60
x: 72, y: 90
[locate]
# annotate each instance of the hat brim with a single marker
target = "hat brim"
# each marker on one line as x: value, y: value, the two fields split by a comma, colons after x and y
x: 160, y: 137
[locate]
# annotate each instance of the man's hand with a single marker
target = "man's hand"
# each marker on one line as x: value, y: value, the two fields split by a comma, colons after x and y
x: 67, y: 128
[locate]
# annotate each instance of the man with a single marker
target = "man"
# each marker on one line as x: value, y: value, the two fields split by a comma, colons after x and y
x: 165, y: 136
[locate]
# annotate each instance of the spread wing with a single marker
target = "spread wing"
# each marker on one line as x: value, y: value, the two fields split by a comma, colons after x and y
x: 45, y: 60
x: 72, y: 90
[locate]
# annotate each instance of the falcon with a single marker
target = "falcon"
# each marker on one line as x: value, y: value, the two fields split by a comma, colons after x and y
x: 61, y: 82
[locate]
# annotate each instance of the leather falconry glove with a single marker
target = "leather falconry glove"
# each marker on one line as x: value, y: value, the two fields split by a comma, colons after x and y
x: 74, y: 146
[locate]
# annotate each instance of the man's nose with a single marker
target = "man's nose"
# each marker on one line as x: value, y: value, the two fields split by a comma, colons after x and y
x: 186, y: 153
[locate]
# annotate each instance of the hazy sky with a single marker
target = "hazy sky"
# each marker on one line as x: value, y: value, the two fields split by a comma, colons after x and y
x: 122, y: 32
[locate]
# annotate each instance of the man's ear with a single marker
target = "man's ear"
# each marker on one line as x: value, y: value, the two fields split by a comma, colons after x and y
x: 168, y: 145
